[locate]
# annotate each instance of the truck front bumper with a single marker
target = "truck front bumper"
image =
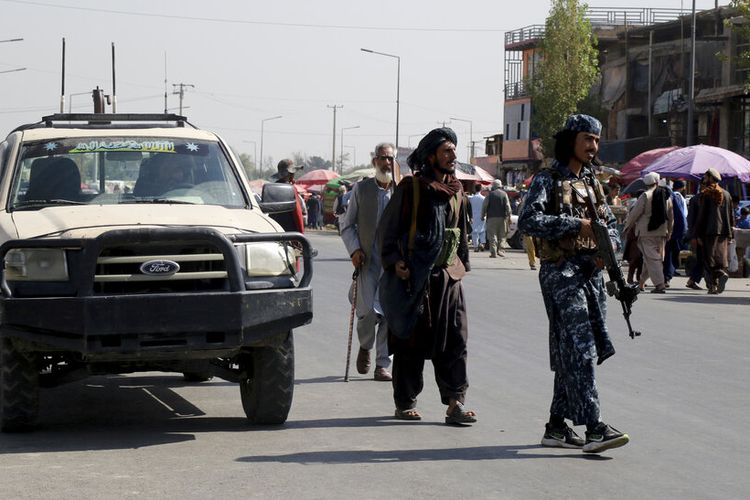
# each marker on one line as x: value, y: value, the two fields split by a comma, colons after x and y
x: 158, y: 325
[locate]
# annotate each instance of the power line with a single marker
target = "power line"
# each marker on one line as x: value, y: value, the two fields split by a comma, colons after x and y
x: 259, y: 23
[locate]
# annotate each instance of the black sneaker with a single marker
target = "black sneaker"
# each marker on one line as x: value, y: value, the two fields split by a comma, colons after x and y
x: 604, y: 437
x: 561, y: 437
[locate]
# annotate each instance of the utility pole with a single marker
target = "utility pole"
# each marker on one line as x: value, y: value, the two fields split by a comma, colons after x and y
x: 691, y: 84
x: 181, y: 92
x: 333, y: 154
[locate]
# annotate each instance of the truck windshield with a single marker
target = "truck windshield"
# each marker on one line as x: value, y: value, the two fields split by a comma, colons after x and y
x: 122, y: 170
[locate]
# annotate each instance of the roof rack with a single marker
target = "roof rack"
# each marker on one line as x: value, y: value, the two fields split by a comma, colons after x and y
x: 110, y: 120
x: 114, y: 117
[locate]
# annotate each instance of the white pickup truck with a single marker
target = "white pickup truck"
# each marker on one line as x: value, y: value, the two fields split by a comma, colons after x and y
x: 132, y: 243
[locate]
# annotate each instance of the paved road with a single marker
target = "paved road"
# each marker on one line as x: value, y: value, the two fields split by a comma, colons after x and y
x: 680, y: 391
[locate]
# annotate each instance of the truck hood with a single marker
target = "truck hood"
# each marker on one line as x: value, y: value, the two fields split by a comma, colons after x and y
x: 89, y: 221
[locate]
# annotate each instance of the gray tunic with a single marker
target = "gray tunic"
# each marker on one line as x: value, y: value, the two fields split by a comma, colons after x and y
x: 358, y: 230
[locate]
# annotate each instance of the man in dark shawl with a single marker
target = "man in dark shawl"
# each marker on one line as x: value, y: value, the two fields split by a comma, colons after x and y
x: 652, y: 219
x: 713, y: 230
x: 572, y: 284
x: 425, y: 254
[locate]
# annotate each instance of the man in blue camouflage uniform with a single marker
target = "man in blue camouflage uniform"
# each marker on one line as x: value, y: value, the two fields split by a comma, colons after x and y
x: 572, y: 284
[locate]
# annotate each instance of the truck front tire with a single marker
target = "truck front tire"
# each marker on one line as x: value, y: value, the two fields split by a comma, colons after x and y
x: 19, y: 387
x: 267, y: 383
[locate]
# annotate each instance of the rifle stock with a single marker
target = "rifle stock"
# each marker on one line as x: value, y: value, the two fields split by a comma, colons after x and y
x: 616, y: 286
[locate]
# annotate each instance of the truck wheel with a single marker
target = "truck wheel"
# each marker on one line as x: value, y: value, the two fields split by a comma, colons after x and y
x: 267, y: 383
x: 19, y: 388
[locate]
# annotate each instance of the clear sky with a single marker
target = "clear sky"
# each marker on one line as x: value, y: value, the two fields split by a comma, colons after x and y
x: 249, y: 60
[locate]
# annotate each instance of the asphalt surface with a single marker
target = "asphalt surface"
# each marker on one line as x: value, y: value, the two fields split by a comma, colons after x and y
x: 680, y: 391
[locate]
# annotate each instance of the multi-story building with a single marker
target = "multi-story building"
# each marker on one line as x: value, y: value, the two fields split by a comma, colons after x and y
x: 646, y: 82
x: 612, y: 26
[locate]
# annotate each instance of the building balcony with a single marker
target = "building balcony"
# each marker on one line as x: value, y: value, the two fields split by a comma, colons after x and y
x: 523, y: 38
x: 516, y: 90
x: 600, y: 17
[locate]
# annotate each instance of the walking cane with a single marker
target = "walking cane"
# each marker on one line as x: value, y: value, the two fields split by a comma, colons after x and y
x: 351, y: 324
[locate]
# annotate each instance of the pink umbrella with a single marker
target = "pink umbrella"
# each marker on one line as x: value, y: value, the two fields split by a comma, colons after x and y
x: 693, y: 162
x: 632, y: 169
x: 319, y: 176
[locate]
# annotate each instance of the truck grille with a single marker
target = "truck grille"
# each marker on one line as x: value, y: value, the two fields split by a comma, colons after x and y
x: 118, y: 270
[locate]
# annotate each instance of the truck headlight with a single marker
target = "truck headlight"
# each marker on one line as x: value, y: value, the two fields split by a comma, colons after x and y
x: 269, y: 259
x: 36, y: 264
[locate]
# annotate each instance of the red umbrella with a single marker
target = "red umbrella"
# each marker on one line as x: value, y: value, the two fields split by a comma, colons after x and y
x: 632, y: 169
x: 484, y: 176
x: 319, y: 176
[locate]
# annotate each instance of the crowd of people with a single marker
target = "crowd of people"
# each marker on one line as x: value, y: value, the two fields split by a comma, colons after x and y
x: 661, y: 224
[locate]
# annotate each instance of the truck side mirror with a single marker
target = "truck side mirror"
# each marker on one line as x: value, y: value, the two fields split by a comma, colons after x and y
x: 278, y: 198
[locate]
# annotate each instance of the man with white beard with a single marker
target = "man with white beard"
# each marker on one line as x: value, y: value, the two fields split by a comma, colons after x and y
x: 358, y: 230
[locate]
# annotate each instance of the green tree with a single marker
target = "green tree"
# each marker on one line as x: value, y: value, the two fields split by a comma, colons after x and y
x: 249, y: 165
x: 316, y: 162
x: 299, y: 158
x: 567, y: 70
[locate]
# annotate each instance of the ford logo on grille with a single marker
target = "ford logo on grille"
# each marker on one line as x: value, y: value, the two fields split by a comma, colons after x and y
x: 160, y: 267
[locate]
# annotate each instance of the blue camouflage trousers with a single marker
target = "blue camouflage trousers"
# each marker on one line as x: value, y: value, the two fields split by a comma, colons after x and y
x: 575, y: 395
x: 576, y: 308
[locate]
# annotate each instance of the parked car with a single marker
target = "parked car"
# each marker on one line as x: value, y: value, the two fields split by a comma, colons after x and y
x: 187, y: 272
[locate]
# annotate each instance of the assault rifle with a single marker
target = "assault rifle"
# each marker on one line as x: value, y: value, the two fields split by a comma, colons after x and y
x: 616, y: 286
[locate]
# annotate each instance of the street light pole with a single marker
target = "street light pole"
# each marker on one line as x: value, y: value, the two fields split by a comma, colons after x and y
x: 341, y: 165
x: 398, y: 85
x: 262, y: 125
x: 471, y: 136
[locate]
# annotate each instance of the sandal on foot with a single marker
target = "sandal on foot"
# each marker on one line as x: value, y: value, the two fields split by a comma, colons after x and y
x: 408, y: 414
x: 460, y: 416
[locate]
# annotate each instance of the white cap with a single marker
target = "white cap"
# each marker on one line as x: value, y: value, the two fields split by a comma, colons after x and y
x: 497, y: 184
x: 651, y: 178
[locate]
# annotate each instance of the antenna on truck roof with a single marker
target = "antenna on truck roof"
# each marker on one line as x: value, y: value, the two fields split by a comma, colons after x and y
x: 62, y: 92
x: 114, y: 89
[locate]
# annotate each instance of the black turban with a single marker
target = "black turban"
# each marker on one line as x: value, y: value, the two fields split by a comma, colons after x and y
x: 429, y: 145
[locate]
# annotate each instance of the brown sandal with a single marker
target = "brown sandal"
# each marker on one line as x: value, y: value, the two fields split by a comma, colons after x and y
x: 459, y: 416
